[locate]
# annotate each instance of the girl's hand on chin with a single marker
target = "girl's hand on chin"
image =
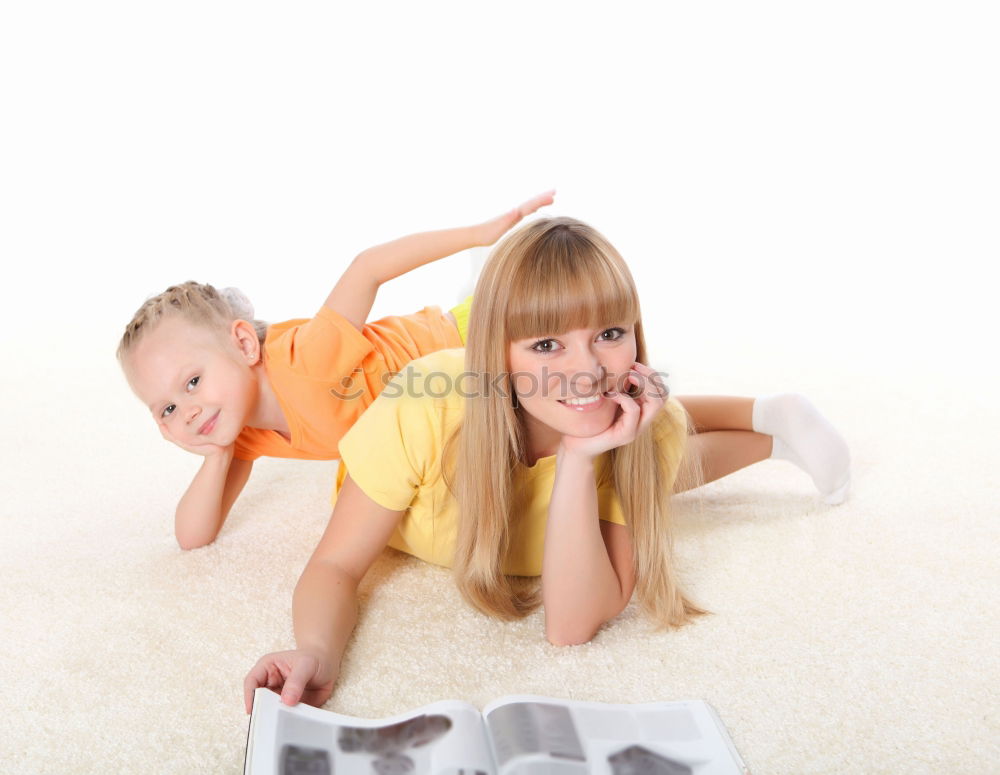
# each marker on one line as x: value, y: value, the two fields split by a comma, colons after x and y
x: 635, y: 416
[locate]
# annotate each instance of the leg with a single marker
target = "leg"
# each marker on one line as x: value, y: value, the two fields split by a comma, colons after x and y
x: 794, y: 429
x: 803, y: 436
x: 719, y: 413
x: 722, y: 439
x: 714, y: 454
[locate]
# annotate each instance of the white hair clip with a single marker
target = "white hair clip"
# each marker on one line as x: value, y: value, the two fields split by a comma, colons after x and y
x: 238, y: 303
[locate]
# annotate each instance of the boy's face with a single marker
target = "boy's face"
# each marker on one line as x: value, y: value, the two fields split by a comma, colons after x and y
x: 198, y: 384
x: 582, y: 364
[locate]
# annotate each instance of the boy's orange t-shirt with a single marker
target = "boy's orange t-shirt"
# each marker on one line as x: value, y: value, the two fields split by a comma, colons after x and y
x: 325, y: 373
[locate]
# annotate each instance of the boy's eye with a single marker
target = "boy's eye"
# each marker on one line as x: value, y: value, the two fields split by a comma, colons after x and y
x: 168, y: 410
x: 193, y: 382
x: 544, y: 346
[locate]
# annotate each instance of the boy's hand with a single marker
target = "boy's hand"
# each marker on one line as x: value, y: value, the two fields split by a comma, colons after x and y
x: 205, y: 450
x: 297, y: 675
x: 490, y: 231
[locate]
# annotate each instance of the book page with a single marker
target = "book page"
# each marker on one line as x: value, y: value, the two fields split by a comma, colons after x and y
x: 535, y: 735
x: 445, y: 738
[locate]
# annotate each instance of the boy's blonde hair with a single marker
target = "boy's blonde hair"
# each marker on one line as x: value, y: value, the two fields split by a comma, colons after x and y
x: 552, y: 276
x: 197, y: 303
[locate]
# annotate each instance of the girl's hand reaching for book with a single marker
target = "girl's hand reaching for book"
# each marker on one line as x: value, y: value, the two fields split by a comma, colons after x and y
x: 297, y: 675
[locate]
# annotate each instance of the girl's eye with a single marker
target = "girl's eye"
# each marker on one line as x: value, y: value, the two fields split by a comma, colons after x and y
x: 168, y: 410
x: 193, y: 382
x: 615, y: 334
x: 544, y: 346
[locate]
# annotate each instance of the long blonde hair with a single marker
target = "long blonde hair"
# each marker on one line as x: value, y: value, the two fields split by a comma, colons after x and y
x: 550, y: 276
x: 197, y: 303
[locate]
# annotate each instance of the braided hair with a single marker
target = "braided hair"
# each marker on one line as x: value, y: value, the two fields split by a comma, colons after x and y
x: 198, y: 303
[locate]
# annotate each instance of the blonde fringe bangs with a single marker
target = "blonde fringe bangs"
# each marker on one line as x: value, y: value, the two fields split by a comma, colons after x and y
x: 566, y: 282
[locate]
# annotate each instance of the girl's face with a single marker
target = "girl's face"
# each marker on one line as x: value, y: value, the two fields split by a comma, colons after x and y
x: 198, y: 388
x: 560, y: 382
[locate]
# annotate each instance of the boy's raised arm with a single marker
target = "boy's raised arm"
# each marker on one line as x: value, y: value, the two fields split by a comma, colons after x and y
x: 354, y: 293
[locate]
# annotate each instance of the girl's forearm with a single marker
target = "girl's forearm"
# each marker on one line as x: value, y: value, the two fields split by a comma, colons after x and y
x: 580, y: 588
x: 324, y: 611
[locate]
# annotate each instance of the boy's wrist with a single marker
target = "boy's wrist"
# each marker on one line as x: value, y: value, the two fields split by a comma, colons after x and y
x: 223, y: 454
x: 479, y: 236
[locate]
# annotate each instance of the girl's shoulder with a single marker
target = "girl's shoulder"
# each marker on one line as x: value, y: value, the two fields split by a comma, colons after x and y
x: 398, y: 440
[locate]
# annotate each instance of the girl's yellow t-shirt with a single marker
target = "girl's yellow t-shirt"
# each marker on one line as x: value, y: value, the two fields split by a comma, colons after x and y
x: 393, y: 452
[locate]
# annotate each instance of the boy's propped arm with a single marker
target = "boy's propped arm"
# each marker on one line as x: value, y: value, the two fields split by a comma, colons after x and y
x: 203, y: 508
x: 354, y: 293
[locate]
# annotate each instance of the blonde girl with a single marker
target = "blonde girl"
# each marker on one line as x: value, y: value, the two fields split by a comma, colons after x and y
x: 539, y: 465
x: 230, y: 389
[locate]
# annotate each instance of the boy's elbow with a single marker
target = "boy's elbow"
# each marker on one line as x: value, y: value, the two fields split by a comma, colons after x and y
x: 194, y: 530
x: 366, y: 267
x: 188, y: 540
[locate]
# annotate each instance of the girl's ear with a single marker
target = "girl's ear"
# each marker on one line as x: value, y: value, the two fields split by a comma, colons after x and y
x: 246, y: 340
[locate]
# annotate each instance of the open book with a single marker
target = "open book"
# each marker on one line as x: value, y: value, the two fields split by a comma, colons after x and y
x: 521, y: 735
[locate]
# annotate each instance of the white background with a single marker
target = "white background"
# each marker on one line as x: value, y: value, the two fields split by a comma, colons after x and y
x: 803, y: 180
x: 808, y: 196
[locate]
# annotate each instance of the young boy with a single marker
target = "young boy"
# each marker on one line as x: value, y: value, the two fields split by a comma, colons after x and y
x: 231, y: 389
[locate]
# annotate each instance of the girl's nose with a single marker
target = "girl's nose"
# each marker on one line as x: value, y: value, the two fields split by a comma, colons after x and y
x: 191, y: 412
x: 588, y: 371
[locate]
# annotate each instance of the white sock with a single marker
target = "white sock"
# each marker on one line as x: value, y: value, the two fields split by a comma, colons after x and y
x: 806, y: 438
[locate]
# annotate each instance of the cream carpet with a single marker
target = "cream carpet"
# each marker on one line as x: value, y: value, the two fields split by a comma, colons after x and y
x: 861, y: 638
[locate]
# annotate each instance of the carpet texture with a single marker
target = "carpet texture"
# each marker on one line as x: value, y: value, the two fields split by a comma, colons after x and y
x: 858, y: 638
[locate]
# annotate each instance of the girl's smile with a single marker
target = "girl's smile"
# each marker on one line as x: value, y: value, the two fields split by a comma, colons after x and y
x: 591, y: 404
